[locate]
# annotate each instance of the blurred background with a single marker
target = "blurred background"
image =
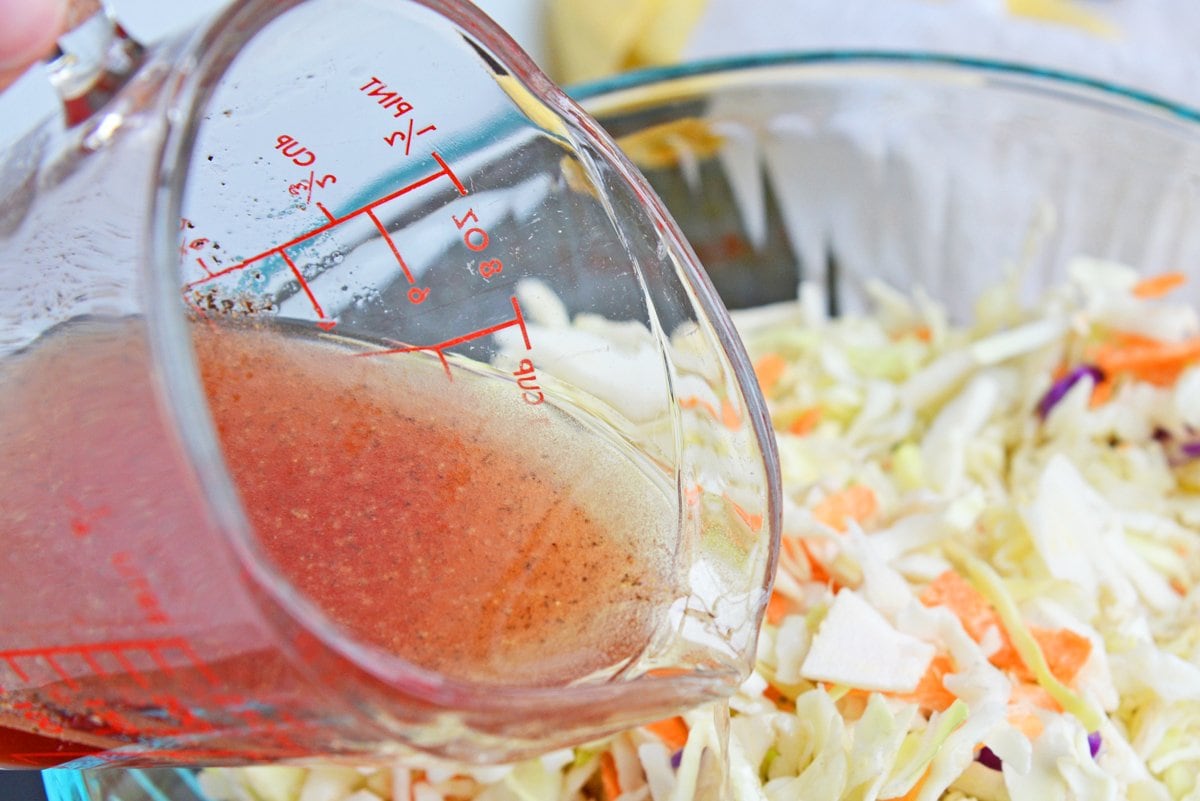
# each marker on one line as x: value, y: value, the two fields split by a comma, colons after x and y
x: 1144, y: 44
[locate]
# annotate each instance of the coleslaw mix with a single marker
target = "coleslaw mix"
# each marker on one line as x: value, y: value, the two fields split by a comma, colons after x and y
x: 988, y: 579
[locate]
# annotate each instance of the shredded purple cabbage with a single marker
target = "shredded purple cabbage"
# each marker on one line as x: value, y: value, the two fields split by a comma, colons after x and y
x: 677, y: 759
x: 1190, y: 449
x: 987, y: 757
x: 1059, y: 389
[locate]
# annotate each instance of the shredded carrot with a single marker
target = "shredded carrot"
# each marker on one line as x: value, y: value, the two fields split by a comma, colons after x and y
x: 806, y: 421
x: 731, y: 418
x: 695, y: 402
x: 728, y: 415
x: 922, y: 333
x: 1179, y: 587
x: 915, y: 790
x: 1101, y: 394
x: 608, y: 776
x: 856, y: 502
x: 974, y: 611
x: 753, y: 521
x: 931, y: 692
x: 1155, y: 286
x: 781, y: 701
x: 672, y: 731
x: 769, y: 369
x: 1148, y: 359
x: 968, y: 604
x: 1023, y: 705
x: 777, y: 608
x: 669, y: 672
x: 798, y: 551
x: 1065, y: 651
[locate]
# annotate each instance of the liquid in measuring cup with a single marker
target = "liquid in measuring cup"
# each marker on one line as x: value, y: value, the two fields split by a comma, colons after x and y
x: 388, y: 494
x: 441, y: 520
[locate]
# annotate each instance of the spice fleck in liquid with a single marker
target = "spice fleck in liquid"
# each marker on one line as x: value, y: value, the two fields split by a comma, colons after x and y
x: 444, y: 521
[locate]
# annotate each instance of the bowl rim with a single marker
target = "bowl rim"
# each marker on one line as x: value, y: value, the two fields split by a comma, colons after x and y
x: 1077, y: 84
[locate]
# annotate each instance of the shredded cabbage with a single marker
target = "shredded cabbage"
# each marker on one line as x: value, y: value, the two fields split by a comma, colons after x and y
x: 990, y: 541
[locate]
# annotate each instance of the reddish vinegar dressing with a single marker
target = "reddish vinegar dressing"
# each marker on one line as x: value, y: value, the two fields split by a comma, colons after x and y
x: 446, y: 522
x: 441, y: 520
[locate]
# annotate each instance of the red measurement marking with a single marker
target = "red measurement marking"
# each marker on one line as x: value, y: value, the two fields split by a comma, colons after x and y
x: 391, y: 244
x: 103, y: 647
x: 199, y: 664
x: 83, y: 518
x: 130, y: 670
x: 281, y: 250
x: 203, y: 266
x: 162, y: 663
x: 462, y: 190
x: 441, y: 347
x: 407, y: 136
x: 62, y: 674
x: 336, y: 221
x: 139, y: 584
x: 117, y: 650
x: 323, y: 323
x: 95, y: 666
x: 311, y: 176
x: 408, y: 139
x: 12, y: 663
x: 325, y: 211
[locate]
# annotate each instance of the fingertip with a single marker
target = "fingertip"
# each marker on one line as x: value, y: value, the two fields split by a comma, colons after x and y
x: 29, y: 30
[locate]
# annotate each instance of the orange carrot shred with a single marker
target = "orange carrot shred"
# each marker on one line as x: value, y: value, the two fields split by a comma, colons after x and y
x: 1155, y: 286
x: 752, y: 520
x: 769, y: 369
x: 730, y: 417
x: 817, y: 571
x: 856, y: 502
x: 1148, y: 359
x: 974, y: 611
x: 777, y: 608
x: 781, y: 701
x: 931, y: 692
x: 694, y: 401
x: 1101, y: 394
x: 806, y: 421
x: 1064, y: 650
x: 672, y: 731
x: 1028, y: 695
x: 968, y: 604
x: 608, y: 776
x: 915, y: 790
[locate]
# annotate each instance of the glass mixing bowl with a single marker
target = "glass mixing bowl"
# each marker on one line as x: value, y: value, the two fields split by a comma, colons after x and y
x: 932, y: 174
x: 916, y: 169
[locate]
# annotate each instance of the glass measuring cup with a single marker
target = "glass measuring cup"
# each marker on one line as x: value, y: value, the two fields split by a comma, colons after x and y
x: 339, y: 320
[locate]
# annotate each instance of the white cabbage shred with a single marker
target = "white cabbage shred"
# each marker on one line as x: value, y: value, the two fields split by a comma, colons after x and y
x: 974, y: 594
